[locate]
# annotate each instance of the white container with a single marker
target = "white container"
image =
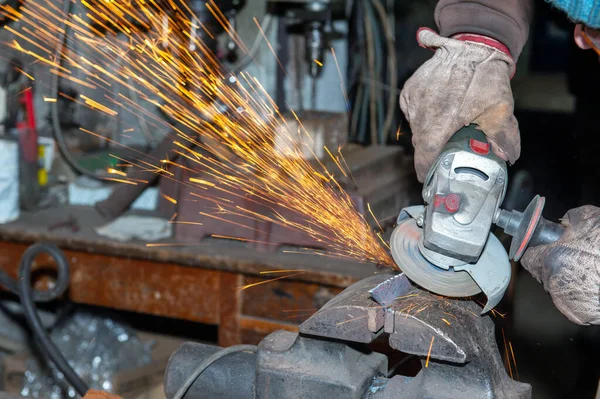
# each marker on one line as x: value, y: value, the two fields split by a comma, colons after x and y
x: 9, y: 181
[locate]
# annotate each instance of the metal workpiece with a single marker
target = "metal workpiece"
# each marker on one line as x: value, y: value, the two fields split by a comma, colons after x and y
x: 385, y: 293
x: 231, y: 377
x: 293, y: 366
x: 528, y: 228
x: 350, y: 316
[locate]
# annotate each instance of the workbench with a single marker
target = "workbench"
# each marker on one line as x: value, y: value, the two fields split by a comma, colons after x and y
x: 195, y: 282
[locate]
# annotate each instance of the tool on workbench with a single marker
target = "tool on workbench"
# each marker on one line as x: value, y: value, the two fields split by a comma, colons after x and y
x: 31, y: 180
x: 18, y: 121
x: 446, y: 246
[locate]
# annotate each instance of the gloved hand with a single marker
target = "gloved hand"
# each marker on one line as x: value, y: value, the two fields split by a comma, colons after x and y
x: 466, y: 81
x: 569, y: 268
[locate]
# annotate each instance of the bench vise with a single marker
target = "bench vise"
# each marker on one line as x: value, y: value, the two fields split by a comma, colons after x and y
x: 332, y: 356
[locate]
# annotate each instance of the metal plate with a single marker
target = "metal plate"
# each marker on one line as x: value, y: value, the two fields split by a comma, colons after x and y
x: 386, y: 292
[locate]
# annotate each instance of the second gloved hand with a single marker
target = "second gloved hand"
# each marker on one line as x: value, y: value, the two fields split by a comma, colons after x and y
x: 464, y: 82
x: 569, y: 268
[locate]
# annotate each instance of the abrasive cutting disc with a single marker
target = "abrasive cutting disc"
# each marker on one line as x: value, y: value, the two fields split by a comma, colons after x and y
x: 490, y: 274
x: 404, y: 245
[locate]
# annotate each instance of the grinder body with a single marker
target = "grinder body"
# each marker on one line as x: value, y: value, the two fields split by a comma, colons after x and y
x: 462, y: 192
x: 446, y: 245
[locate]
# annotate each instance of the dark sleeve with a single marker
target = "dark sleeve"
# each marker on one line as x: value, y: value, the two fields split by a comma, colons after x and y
x: 504, y: 20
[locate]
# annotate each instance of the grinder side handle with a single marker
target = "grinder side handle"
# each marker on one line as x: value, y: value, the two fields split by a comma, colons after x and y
x: 528, y: 228
x: 546, y: 232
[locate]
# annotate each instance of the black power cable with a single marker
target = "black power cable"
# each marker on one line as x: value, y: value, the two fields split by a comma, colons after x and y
x: 28, y: 296
x: 54, y: 111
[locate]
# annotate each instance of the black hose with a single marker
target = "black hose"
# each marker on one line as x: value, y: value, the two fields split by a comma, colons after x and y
x: 54, y: 112
x: 29, y: 297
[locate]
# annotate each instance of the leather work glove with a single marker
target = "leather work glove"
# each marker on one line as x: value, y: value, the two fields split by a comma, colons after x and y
x: 569, y: 268
x: 466, y: 81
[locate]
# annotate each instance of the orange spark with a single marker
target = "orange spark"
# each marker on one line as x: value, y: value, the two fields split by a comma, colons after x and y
x: 383, y: 241
x: 120, y: 180
x: 266, y: 281
x: 170, y: 199
x: 407, y: 296
x: 96, y: 105
x: 282, y: 271
x: 242, y: 161
x: 269, y: 44
x: 228, y: 237
x: 200, y: 181
x: 422, y: 309
x: 429, y: 352
x: 350, y: 319
x: 342, y: 85
x: 24, y: 73
x: 149, y: 245
x: 506, y: 353
x: 514, y: 360
x: 373, y: 215
x: 191, y: 223
x: 116, y: 172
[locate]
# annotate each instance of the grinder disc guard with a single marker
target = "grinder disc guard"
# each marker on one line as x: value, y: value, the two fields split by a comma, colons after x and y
x: 490, y: 274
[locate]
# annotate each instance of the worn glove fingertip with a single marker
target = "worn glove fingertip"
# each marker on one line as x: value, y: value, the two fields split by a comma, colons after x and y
x: 507, y: 152
x: 428, y: 38
x: 499, y: 152
x: 514, y: 153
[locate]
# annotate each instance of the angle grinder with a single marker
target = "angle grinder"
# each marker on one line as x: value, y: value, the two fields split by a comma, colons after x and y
x: 446, y: 246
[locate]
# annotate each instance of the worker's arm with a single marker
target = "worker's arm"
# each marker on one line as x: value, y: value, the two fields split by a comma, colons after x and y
x: 506, y: 21
x: 468, y: 78
x: 569, y: 268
